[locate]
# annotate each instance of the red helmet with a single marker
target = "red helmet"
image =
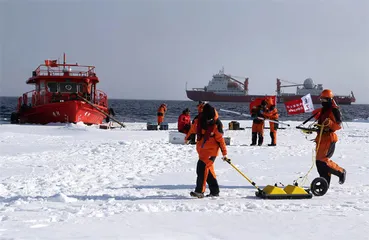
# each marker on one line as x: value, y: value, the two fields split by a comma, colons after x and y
x: 326, y: 94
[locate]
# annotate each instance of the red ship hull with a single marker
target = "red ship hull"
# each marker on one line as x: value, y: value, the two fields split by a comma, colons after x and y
x: 212, y: 97
x: 69, y: 111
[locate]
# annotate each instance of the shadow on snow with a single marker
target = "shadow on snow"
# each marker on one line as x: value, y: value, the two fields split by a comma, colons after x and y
x: 105, y: 197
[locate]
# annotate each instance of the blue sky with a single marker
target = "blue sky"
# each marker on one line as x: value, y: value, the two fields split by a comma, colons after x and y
x: 150, y: 49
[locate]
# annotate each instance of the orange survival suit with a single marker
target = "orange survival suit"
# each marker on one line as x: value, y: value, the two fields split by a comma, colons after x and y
x: 258, y: 124
x: 184, y: 121
x: 161, y: 112
x: 209, y: 141
x: 272, y: 114
x: 191, y: 135
x: 329, y: 120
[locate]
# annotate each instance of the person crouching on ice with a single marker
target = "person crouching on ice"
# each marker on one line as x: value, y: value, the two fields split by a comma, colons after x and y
x: 184, y: 121
x: 209, y: 140
x: 161, y: 113
x: 258, y: 124
x: 329, y: 121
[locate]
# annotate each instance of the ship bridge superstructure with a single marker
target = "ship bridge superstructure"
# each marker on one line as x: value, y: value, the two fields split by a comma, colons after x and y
x: 224, y: 84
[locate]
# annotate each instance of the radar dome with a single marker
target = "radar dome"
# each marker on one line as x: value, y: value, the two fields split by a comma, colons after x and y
x: 309, y: 83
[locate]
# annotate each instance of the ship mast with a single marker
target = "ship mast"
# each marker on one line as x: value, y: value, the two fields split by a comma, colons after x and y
x: 64, y: 62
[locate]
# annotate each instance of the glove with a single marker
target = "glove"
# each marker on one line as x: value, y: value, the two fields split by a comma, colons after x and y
x: 225, y: 158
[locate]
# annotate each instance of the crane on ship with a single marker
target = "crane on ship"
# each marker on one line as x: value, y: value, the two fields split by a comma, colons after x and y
x: 291, y: 84
x: 245, y: 84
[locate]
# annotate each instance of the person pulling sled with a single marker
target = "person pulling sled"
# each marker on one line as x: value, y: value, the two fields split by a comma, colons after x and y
x: 209, y: 141
x: 329, y: 121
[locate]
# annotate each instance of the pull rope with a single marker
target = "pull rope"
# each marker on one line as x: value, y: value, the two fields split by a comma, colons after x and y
x: 322, y: 126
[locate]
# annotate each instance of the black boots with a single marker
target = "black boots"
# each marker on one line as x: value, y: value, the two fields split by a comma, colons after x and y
x: 255, y: 136
x: 261, y: 139
x: 342, y: 177
x: 197, y: 194
x: 272, y: 136
x: 212, y: 195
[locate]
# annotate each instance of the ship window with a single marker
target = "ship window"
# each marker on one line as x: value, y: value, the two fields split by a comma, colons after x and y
x: 52, y: 86
x: 79, y: 87
x: 68, y: 87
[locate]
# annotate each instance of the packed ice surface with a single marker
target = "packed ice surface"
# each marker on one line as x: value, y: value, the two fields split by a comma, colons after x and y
x: 80, y: 182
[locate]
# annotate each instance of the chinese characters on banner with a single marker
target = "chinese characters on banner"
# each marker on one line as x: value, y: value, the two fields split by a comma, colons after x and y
x: 298, y: 106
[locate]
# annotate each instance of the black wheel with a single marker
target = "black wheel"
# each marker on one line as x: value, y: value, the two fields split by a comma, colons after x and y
x: 319, y: 186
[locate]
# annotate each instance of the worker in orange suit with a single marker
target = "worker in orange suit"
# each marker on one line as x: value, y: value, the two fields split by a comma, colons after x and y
x: 191, y: 135
x: 329, y: 121
x: 258, y: 124
x: 209, y: 141
x: 161, y: 113
x: 184, y: 121
x: 271, y: 113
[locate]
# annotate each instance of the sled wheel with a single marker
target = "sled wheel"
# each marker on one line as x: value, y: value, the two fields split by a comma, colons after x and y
x: 319, y: 186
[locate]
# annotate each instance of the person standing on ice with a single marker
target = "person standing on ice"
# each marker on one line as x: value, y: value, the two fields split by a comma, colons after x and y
x: 271, y: 113
x: 329, y: 121
x: 191, y: 135
x: 258, y: 124
x: 209, y: 141
x: 161, y: 113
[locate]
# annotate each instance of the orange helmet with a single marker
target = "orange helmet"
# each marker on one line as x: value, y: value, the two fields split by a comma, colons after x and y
x: 326, y: 94
x: 270, y: 101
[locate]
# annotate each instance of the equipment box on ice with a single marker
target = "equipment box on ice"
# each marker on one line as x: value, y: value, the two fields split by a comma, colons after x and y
x: 152, y: 126
x: 177, y: 137
x: 163, y: 126
x: 234, y: 125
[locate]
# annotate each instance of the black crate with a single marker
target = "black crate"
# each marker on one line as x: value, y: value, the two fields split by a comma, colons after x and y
x: 163, y: 126
x: 152, y: 126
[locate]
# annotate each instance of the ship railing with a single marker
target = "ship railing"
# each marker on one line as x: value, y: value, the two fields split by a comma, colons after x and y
x: 65, y: 70
x: 287, y: 94
x: 101, y: 98
x: 26, y: 100
x: 33, y: 98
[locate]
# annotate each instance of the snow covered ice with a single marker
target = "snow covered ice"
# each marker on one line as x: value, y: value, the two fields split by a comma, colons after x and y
x: 80, y: 182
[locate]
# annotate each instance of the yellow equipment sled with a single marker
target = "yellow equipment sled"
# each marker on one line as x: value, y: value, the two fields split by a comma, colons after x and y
x: 274, y: 192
